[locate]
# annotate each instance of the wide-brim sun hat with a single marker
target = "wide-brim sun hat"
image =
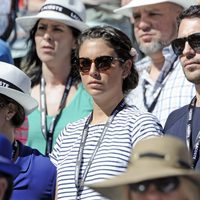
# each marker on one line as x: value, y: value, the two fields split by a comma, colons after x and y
x: 152, y: 158
x: 14, y: 83
x: 127, y: 9
x: 6, y: 164
x: 71, y: 13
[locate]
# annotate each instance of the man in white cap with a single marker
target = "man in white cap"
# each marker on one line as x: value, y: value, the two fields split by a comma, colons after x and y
x: 162, y: 86
x: 160, y: 168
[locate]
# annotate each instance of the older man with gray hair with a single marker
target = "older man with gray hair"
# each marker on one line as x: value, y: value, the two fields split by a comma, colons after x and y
x: 163, y: 87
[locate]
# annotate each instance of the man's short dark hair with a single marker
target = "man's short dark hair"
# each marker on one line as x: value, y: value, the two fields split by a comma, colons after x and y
x: 191, y: 12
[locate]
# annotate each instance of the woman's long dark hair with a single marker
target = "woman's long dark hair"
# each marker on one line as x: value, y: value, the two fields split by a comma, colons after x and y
x: 31, y: 64
x: 122, y: 45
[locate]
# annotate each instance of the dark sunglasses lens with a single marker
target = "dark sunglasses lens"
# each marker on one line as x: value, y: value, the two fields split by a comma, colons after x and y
x: 84, y: 64
x: 194, y: 41
x: 164, y: 185
x: 178, y: 46
x: 140, y: 187
x: 103, y: 63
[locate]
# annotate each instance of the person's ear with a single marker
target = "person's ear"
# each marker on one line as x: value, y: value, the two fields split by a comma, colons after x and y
x: 11, y: 111
x: 74, y: 43
x: 126, y: 68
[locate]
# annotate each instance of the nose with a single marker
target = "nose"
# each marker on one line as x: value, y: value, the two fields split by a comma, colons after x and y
x: 48, y: 35
x: 153, y: 194
x: 93, y: 71
x: 188, y: 51
x: 143, y: 23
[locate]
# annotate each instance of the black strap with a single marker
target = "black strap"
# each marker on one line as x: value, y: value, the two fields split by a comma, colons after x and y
x: 152, y: 106
x: 14, y: 148
x: 48, y: 133
x: 80, y: 181
x: 7, y: 84
x: 61, y: 9
x: 196, y: 146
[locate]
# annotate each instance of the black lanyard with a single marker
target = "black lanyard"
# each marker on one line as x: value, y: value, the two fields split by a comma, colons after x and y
x: 151, y: 107
x: 48, y: 133
x: 195, y: 148
x: 80, y: 183
x: 14, y: 148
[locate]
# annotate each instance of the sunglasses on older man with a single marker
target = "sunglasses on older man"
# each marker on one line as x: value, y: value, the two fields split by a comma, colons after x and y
x: 163, y: 185
x: 102, y: 63
x: 178, y: 44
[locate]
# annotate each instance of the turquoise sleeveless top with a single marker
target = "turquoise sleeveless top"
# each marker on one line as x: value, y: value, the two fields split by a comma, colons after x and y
x: 80, y: 106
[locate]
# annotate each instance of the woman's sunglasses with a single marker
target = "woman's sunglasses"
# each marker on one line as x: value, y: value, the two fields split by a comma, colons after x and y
x: 178, y: 44
x: 164, y: 185
x: 102, y: 63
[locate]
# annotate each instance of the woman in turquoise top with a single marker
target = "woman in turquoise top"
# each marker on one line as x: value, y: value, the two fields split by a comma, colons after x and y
x: 49, y: 63
x: 81, y: 102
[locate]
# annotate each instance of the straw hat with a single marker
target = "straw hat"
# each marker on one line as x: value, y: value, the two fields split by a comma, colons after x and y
x: 6, y: 165
x: 15, y: 84
x: 69, y: 12
x: 152, y: 158
x: 126, y: 10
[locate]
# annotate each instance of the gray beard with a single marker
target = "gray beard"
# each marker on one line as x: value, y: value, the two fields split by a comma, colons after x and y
x: 152, y: 47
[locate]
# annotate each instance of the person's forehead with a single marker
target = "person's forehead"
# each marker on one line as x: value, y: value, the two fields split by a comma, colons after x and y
x: 189, y: 26
x: 50, y: 21
x: 155, y: 7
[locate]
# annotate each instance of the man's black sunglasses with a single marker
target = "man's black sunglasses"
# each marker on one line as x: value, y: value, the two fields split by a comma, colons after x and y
x: 164, y: 185
x: 102, y: 63
x: 178, y: 44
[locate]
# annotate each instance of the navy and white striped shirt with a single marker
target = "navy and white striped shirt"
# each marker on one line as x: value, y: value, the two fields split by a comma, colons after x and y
x: 128, y: 127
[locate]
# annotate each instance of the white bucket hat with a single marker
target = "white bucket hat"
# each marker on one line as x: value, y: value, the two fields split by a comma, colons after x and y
x: 69, y: 12
x: 15, y: 84
x: 126, y: 10
x: 152, y: 158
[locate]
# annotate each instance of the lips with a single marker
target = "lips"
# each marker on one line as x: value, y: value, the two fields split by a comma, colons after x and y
x: 94, y: 83
x: 190, y: 64
x: 47, y: 47
x: 146, y: 37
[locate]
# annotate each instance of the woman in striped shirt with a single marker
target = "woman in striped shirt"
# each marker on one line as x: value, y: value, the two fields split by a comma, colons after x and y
x: 99, y: 146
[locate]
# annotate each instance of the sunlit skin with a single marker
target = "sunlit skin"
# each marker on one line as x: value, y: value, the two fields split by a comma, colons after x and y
x: 155, y: 26
x: 105, y: 87
x: 54, y: 41
x: 106, y: 84
x: 190, y: 59
x: 3, y: 187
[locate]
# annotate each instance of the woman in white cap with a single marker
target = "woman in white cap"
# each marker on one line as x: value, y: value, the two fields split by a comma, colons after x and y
x: 37, y: 177
x: 98, y: 146
x: 49, y: 63
x: 159, y: 169
x: 8, y: 170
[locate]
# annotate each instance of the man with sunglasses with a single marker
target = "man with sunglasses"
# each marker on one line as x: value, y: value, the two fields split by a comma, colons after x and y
x: 184, y: 122
x: 162, y: 87
x: 159, y: 169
